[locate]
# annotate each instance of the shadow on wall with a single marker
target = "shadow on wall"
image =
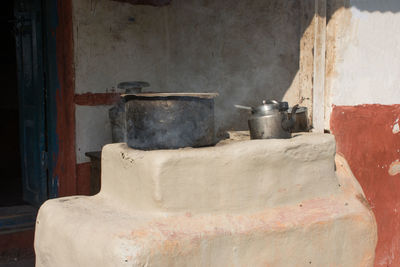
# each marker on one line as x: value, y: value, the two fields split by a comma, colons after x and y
x: 214, y: 46
x: 223, y: 51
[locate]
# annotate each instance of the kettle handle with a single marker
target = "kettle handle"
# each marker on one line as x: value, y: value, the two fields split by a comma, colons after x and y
x: 293, y: 113
x: 288, y: 124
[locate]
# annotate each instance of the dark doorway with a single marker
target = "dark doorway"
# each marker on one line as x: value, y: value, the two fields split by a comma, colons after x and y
x: 23, y: 157
x: 10, y: 159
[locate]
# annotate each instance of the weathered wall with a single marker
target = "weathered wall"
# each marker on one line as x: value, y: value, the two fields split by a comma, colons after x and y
x: 362, y: 82
x: 363, y: 52
x: 245, y: 50
x: 364, y: 135
x: 113, y: 42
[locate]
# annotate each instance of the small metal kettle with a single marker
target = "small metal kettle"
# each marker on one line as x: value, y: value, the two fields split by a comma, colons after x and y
x: 271, y: 120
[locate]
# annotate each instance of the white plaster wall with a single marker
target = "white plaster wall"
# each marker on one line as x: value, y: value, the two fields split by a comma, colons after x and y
x: 93, y: 130
x: 367, y: 68
x: 117, y: 42
x: 245, y: 50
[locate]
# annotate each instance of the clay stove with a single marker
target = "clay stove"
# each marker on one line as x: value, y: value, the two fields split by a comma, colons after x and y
x: 240, y: 203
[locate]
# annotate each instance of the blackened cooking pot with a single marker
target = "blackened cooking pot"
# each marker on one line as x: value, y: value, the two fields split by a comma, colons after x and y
x: 301, y: 124
x: 169, y: 120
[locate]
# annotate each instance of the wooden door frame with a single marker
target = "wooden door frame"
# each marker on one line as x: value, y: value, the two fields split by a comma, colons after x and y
x: 60, y: 98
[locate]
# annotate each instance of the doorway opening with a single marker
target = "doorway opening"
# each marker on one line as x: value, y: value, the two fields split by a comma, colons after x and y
x: 23, y: 138
x: 10, y: 158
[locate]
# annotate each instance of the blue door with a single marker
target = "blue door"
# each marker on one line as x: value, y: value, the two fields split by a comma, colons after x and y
x: 31, y: 90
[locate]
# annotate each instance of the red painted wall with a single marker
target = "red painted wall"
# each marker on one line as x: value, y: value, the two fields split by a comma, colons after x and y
x: 16, y: 241
x: 90, y: 99
x: 83, y: 173
x: 364, y: 135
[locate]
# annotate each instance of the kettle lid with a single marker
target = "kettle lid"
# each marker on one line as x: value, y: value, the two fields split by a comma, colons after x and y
x: 268, y: 106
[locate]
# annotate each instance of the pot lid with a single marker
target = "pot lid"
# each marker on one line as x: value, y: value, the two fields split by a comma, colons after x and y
x: 133, y: 84
x: 132, y: 87
x: 299, y: 110
x: 158, y: 94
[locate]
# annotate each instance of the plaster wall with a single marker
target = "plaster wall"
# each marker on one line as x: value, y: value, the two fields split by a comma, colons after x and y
x: 362, y: 107
x: 363, y: 53
x: 92, y: 129
x: 244, y: 50
x: 369, y: 66
x: 364, y: 136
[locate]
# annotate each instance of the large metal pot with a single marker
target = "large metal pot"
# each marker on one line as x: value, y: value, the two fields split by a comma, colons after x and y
x: 170, y: 120
x: 116, y: 114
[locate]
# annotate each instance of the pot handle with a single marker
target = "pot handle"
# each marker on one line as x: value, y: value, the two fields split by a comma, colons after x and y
x: 288, y: 124
x: 243, y: 107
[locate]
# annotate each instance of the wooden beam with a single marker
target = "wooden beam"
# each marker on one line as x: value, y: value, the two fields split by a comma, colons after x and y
x: 65, y: 168
x: 319, y: 66
x: 97, y: 99
x: 306, y: 64
x: 146, y: 2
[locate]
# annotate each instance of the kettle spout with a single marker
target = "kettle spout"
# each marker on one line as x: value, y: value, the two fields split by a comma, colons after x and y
x: 288, y: 124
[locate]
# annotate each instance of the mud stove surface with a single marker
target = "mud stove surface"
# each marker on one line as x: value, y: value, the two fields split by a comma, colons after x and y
x: 240, y: 203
